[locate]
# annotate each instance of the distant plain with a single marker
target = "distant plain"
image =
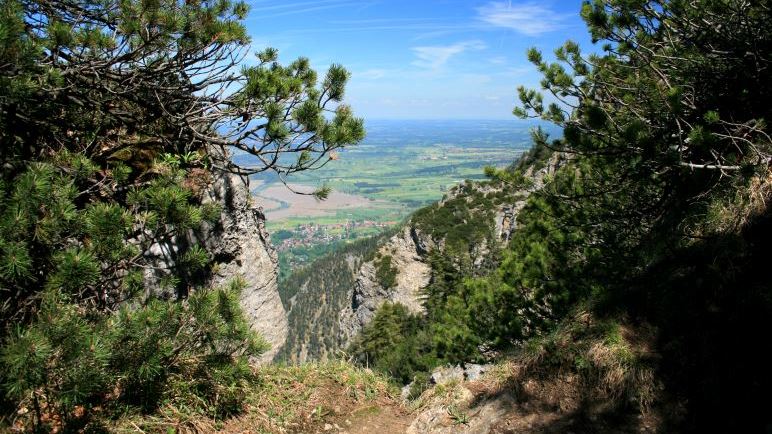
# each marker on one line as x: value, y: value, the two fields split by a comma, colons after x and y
x: 400, y: 167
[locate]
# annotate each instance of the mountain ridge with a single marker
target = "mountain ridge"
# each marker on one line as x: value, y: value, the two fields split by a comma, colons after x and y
x: 408, y: 248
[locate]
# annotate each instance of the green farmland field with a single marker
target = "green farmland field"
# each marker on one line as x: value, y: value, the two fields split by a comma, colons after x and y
x: 400, y: 167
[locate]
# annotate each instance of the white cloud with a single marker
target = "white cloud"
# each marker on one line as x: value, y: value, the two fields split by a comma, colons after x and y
x: 261, y: 11
x: 436, y: 56
x: 370, y: 74
x: 531, y: 19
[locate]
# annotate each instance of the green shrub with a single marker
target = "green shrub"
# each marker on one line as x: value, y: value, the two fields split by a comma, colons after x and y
x: 193, y: 354
x: 385, y: 272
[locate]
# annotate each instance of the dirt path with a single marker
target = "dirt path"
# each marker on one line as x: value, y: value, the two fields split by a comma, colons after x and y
x: 390, y: 419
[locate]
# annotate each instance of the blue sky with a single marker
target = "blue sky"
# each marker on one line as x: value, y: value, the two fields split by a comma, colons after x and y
x: 421, y: 59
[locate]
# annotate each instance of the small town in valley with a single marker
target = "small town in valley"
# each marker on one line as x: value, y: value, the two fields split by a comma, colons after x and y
x: 306, y: 235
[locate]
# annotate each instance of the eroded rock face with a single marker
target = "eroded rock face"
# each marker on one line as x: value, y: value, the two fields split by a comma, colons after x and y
x: 407, y: 251
x: 506, y: 216
x: 241, y: 245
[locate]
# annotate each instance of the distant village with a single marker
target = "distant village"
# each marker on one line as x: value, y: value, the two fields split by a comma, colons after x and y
x: 306, y: 235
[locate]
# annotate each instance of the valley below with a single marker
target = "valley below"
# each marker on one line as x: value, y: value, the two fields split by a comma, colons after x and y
x: 201, y: 234
x: 401, y: 166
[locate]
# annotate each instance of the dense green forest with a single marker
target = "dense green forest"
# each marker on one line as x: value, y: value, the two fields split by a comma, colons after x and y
x: 659, y: 218
x: 315, y: 294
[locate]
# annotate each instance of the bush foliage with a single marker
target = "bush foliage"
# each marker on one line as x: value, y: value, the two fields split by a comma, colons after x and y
x: 194, y: 352
x: 112, y: 125
x: 660, y: 212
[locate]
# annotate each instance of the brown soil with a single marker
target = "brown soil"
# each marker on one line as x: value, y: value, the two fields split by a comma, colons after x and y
x: 307, y: 206
x: 388, y: 419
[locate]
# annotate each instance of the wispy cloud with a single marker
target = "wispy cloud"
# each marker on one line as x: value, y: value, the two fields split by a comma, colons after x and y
x: 436, y: 56
x: 371, y: 74
x: 259, y: 10
x: 531, y: 19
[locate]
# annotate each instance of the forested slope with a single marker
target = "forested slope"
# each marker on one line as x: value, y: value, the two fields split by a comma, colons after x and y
x: 331, y: 300
x: 315, y: 295
x: 656, y: 226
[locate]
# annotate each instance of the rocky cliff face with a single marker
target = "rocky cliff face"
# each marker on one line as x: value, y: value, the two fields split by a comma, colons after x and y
x: 506, y: 216
x: 240, y: 247
x: 408, y: 256
x: 409, y: 250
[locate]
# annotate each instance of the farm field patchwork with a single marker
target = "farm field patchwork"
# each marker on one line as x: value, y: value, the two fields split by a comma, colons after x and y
x: 400, y: 167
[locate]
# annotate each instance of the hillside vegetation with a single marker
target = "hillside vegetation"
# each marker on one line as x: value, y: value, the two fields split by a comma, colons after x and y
x: 658, y: 220
x: 314, y: 295
x: 632, y: 295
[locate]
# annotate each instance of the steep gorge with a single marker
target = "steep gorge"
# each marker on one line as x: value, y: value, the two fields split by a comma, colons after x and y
x: 334, y: 298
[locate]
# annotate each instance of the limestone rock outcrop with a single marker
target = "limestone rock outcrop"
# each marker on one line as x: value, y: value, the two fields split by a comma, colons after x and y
x: 240, y: 247
x: 408, y: 256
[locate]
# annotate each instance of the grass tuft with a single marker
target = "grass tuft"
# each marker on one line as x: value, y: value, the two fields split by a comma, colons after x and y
x: 280, y: 399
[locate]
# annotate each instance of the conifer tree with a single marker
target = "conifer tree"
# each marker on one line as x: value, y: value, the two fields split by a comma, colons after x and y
x: 113, y: 113
x: 662, y: 213
x: 114, y: 116
x: 666, y: 135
